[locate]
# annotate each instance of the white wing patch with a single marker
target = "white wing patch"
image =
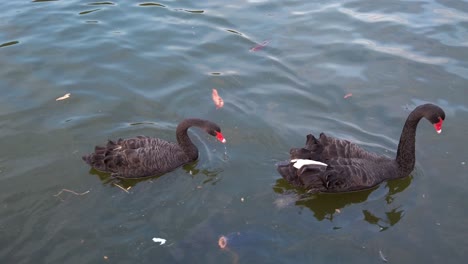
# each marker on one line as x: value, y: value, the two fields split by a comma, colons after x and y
x: 298, y: 163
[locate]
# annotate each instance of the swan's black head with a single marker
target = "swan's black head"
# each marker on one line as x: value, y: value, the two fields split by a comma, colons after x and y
x: 214, y: 130
x: 208, y: 126
x: 434, y: 114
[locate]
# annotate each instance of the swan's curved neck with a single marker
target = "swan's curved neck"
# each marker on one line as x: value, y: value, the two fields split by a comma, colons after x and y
x: 184, y: 140
x: 406, y: 156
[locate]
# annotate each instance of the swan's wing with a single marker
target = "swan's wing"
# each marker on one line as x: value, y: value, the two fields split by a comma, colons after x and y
x: 340, y: 148
x: 137, y: 142
x: 137, y: 157
x: 292, y: 170
x: 326, y: 148
x: 341, y: 174
x: 148, y: 161
x: 299, y: 163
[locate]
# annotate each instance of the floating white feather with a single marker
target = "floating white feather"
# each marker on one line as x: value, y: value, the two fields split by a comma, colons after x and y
x: 161, y: 241
x: 298, y: 163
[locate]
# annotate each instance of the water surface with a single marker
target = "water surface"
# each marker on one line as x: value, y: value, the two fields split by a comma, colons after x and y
x: 139, y: 68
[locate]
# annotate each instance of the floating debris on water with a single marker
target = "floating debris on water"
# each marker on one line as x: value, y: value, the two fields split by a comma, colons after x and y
x: 69, y: 191
x: 218, y: 101
x: 285, y: 201
x: 161, y: 241
x: 382, y: 256
x: 63, y: 97
x: 222, y: 242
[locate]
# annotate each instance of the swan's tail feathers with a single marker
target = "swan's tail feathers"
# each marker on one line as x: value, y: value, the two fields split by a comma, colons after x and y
x: 288, y: 172
x: 312, y: 151
x: 311, y: 141
x: 100, y: 157
x: 99, y: 149
x: 111, y: 145
x: 86, y: 159
x: 313, y: 144
x: 303, y: 173
x: 95, y: 160
x: 112, y: 162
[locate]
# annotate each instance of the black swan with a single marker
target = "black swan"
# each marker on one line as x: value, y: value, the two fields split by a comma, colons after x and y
x: 330, y: 165
x: 144, y: 156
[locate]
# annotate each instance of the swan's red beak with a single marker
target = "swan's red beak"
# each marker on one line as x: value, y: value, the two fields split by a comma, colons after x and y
x: 438, y: 126
x: 220, y: 137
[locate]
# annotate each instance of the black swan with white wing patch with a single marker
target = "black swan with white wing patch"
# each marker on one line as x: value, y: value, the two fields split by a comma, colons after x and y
x: 333, y: 165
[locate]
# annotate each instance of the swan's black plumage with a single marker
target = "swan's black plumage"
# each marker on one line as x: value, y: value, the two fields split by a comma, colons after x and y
x: 351, y: 168
x: 144, y: 156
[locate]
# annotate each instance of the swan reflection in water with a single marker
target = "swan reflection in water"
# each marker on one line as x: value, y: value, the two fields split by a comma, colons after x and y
x: 328, y: 206
x: 190, y: 168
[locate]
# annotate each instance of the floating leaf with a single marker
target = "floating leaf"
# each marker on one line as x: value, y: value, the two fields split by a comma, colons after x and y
x: 218, y: 101
x: 63, y: 97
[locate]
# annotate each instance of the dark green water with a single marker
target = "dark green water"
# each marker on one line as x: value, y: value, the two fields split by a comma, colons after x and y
x: 138, y: 68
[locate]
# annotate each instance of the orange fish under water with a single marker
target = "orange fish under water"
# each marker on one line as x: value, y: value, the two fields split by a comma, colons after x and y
x: 218, y: 101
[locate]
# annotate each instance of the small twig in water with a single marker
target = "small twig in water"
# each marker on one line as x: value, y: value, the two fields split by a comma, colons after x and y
x: 125, y: 190
x: 382, y: 256
x: 63, y: 97
x: 70, y: 191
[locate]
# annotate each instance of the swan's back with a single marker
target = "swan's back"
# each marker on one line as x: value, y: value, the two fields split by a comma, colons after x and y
x: 325, y: 148
x: 137, y: 157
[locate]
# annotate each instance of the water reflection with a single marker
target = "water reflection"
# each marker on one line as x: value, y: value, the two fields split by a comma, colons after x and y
x: 126, y: 184
x: 327, y: 206
x: 210, y: 238
x: 391, y: 218
x: 401, y: 51
x: 373, y: 17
